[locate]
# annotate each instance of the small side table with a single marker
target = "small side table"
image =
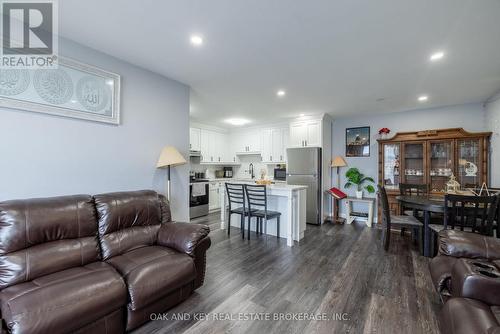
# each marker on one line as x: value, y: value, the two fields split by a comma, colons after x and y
x: 352, y: 215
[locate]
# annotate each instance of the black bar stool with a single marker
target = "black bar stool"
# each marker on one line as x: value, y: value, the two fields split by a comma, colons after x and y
x: 236, y: 198
x: 257, y: 198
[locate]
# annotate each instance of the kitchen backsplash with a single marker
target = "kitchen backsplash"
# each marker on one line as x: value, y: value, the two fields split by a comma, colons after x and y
x: 240, y: 171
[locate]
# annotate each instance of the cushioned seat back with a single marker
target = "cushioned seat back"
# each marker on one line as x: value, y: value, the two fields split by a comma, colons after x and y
x: 127, y: 220
x: 42, y: 236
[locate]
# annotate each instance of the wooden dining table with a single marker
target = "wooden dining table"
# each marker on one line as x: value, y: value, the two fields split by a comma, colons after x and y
x: 427, y: 204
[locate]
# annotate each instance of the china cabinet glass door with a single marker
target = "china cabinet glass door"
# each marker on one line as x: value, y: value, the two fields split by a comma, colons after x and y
x: 392, y: 165
x: 469, y: 164
x: 440, y: 164
x: 414, y: 162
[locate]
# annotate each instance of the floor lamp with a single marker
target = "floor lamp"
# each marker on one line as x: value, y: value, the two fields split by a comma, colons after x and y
x: 170, y: 157
x: 338, y: 162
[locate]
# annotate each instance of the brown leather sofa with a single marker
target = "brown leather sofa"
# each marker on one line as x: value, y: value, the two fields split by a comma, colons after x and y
x: 97, y: 264
x: 466, y: 273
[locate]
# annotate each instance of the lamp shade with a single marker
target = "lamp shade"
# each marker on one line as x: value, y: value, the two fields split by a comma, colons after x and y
x: 338, y: 161
x: 170, y: 157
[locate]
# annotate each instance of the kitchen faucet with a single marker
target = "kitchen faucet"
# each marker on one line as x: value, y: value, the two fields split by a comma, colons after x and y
x: 250, y: 170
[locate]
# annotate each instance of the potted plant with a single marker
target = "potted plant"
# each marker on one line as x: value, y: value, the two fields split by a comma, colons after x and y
x: 355, y: 177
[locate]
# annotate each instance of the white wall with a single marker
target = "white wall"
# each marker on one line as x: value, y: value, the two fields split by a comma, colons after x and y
x: 493, y: 125
x: 471, y: 117
x: 43, y: 155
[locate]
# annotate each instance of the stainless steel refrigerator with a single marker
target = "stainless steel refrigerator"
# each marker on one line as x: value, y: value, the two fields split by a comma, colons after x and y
x: 304, y: 168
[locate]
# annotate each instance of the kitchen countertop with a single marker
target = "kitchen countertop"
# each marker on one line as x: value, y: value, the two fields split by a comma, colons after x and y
x: 234, y: 180
x: 272, y: 187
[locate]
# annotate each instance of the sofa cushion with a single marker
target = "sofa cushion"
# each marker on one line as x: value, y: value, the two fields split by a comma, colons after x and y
x: 440, y: 268
x: 64, y: 301
x: 127, y: 220
x: 41, y: 236
x: 152, y: 272
x: 466, y: 316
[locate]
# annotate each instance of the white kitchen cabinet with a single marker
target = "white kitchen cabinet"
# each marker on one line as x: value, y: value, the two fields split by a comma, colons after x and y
x: 298, y: 133
x: 217, y: 147
x: 313, y: 133
x: 277, y: 145
x: 305, y: 133
x: 213, y: 147
x: 194, y: 139
x: 247, y: 142
x: 205, y: 136
x: 274, y: 141
x: 286, y: 139
x: 213, y: 196
x: 266, y: 145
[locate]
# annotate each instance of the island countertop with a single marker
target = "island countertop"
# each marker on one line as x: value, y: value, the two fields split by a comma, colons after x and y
x: 288, y: 199
x: 270, y: 187
x: 276, y: 186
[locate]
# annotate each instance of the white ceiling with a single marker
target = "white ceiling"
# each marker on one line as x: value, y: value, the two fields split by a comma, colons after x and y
x: 335, y: 56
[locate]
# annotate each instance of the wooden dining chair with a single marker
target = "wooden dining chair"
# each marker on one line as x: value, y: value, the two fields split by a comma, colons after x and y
x: 412, y: 189
x: 236, y: 200
x: 474, y: 214
x: 257, y: 204
x: 390, y: 222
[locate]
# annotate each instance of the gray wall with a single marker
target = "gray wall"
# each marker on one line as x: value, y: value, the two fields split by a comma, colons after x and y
x: 471, y: 117
x: 493, y: 125
x: 43, y: 155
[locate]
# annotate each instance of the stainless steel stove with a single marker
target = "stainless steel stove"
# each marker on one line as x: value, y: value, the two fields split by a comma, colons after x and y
x: 198, y: 197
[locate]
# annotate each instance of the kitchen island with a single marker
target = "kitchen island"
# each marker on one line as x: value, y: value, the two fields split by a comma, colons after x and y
x: 290, y: 200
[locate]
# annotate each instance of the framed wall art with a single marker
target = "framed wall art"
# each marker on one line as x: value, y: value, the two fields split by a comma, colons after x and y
x: 357, y: 142
x: 74, y: 90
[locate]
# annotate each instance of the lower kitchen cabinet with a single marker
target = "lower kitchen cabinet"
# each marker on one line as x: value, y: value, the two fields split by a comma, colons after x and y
x: 213, y: 196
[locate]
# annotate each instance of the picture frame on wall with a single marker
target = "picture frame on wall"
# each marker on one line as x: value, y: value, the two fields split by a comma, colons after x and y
x: 357, y: 142
x: 74, y: 89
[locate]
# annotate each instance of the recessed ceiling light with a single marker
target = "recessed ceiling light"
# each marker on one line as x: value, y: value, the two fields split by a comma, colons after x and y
x: 436, y: 56
x: 302, y: 115
x: 423, y: 98
x: 281, y: 93
x: 237, y: 121
x: 196, y: 40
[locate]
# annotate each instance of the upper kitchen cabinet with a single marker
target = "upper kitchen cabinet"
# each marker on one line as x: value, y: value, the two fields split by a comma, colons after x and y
x: 306, y: 133
x: 247, y: 142
x: 205, y: 136
x: 214, y: 148
x: 274, y: 141
x: 194, y: 139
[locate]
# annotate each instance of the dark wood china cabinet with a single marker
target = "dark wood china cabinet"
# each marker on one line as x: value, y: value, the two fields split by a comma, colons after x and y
x: 430, y: 157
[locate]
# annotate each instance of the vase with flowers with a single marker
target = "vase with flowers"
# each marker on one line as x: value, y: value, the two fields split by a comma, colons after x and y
x: 384, y: 133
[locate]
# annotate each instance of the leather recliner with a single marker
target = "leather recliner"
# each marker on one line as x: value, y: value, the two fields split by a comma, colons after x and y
x: 160, y: 263
x: 98, y: 264
x: 466, y: 274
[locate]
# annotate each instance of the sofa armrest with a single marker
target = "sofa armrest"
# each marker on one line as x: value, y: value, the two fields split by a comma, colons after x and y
x: 469, y: 245
x: 166, y: 215
x: 183, y: 237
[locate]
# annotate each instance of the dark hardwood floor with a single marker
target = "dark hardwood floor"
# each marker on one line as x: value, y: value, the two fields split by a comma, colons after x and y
x: 338, y: 271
